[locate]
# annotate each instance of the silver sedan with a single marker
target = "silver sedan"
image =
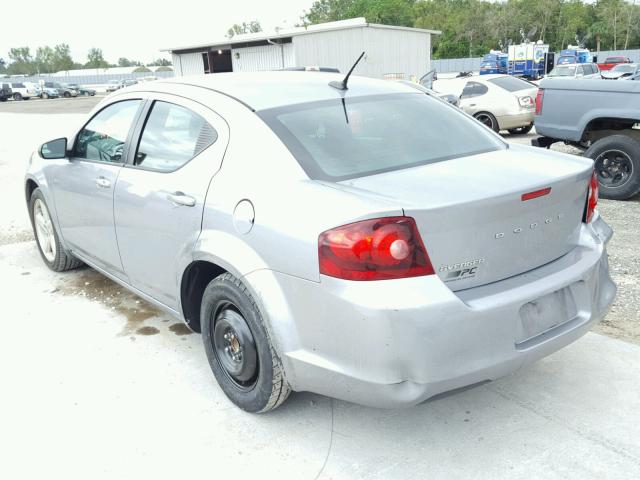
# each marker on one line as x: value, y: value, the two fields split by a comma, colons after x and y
x: 369, y: 243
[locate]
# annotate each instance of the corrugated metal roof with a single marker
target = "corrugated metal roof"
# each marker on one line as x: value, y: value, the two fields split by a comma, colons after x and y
x: 292, y: 32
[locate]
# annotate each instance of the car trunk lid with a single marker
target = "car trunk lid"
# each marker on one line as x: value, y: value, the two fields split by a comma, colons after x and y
x: 490, y: 216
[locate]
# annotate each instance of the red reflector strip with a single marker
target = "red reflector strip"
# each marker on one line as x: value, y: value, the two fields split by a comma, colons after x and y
x: 538, y: 193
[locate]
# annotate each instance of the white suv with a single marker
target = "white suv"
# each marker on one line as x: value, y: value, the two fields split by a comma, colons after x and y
x: 23, y: 91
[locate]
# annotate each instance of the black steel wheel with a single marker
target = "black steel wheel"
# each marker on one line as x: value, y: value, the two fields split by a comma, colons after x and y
x: 235, y: 347
x: 239, y: 348
x: 617, y: 164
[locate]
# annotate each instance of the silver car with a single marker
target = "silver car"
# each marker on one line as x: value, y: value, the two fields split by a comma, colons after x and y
x: 371, y: 243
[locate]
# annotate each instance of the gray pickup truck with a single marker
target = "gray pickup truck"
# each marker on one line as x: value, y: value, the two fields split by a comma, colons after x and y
x: 601, y: 117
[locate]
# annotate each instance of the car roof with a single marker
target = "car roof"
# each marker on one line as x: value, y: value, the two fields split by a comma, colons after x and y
x: 264, y: 90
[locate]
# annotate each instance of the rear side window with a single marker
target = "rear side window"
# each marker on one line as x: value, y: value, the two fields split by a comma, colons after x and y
x: 340, y: 139
x: 103, y: 138
x: 473, y: 89
x: 172, y: 136
x: 511, y: 84
x: 17, y: 85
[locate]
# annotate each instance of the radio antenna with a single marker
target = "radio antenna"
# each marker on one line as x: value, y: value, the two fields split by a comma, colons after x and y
x: 342, y: 85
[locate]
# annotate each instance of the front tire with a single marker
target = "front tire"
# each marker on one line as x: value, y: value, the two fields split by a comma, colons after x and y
x: 617, y: 165
x: 45, y: 95
x: 67, y: 95
x: 488, y: 120
x: 17, y: 97
x: 238, y: 347
x: 51, y: 250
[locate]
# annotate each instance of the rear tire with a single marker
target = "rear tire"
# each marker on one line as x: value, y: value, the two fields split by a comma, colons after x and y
x: 67, y: 95
x: 617, y: 165
x: 51, y: 250
x: 520, y: 130
x: 240, y: 352
x: 45, y: 95
x: 488, y: 120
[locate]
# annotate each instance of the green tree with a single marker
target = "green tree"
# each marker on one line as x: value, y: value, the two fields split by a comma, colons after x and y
x: 125, y: 62
x: 44, y: 59
x: 160, y: 62
x: 62, y: 58
x: 21, y: 62
x: 95, y: 59
x: 239, y: 29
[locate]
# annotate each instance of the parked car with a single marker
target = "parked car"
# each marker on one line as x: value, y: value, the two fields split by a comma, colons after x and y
x: 86, y: 91
x: 501, y: 102
x: 575, y: 70
x: 600, y: 117
x: 64, y: 89
x: 114, y: 85
x: 35, y: 87
x: 48, y: 92
x: 5, y: 92
x: 23, y: 91
x: 621, y: 71
x: 611, y: 62
x: 425, y: 253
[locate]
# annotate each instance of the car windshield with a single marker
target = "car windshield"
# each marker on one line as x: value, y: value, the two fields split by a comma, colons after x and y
x: 337, y: 140
x: 511, y: 84
x: 564, y: 71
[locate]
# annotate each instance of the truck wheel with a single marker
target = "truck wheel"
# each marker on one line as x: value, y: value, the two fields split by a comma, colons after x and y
x: 238, y: 347
x: 487, y: 120
x: 617, y: 164
x: 520, y: 130
x: 17, y: 97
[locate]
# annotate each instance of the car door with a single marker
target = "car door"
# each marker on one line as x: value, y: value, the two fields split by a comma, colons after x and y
x: 83, y: 186
x: 160, y: 194
x: 469, y: 99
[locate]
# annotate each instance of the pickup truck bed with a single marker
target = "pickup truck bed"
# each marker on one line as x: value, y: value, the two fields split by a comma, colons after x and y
x: 598, y: 115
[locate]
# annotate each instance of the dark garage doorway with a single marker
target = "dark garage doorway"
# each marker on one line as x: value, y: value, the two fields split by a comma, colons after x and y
x: 220, y: 61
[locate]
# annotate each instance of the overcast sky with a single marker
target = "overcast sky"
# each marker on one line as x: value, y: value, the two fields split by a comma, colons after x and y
x: 133, y: 29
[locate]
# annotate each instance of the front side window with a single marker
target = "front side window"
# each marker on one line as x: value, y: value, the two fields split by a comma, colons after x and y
x: 366, y: 135
x: 172, y: 136
x: 103, y: 138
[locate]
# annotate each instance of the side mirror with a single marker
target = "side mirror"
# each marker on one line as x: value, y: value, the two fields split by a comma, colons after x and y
x: 54, y: 149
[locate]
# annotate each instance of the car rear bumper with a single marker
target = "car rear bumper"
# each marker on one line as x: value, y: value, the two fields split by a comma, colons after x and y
x: 521, y: 119
x: 397, y: 343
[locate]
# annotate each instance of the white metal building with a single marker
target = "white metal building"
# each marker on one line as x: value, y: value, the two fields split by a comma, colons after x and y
x: 390, y: 50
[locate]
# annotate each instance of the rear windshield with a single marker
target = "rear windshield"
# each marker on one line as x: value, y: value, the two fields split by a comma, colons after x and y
x: 337, y: 140
x: 511, y: 84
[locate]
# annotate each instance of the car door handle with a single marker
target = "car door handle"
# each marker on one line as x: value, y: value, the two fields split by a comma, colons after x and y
x: 179, y: 198
x: 102, y: 182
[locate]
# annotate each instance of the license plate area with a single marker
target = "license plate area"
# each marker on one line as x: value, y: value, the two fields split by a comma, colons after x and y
x: 544, y: 314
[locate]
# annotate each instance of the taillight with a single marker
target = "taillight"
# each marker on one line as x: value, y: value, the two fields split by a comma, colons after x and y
x: 525, y: 102
x: 377, y: 249
x: 592, y: 198
x: 539, y: 100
